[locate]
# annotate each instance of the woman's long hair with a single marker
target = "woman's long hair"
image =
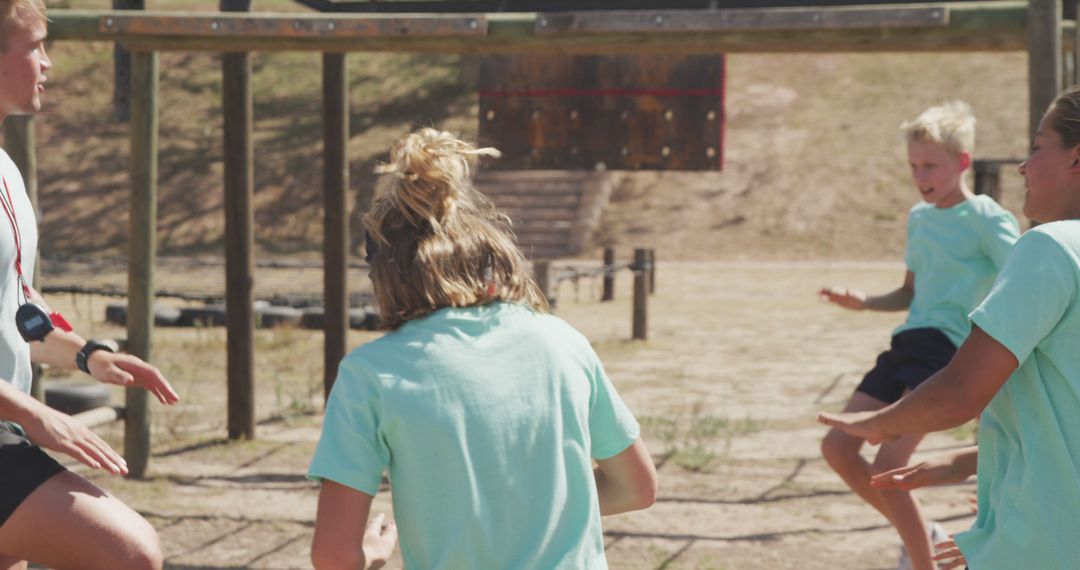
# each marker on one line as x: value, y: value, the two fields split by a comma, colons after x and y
x: 437, y: 241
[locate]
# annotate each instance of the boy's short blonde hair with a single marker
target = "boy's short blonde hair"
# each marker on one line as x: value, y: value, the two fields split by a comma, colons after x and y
x: 11, y: 11
x: 952, y: 125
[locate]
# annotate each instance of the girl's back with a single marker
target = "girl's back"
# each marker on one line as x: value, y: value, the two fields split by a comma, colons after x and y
x: 488, y: 419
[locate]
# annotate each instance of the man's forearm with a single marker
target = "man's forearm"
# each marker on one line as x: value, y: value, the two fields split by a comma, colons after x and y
x: 57, y: 349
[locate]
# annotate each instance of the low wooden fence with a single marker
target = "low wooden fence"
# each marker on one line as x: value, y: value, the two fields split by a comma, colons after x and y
x: 643, y: 267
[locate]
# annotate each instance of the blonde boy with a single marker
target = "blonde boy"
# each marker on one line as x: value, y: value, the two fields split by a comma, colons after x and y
x: 956, y: 243
x: 47, y: 513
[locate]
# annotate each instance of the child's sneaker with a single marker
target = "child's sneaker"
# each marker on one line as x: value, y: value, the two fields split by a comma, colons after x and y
x: 938, y: 534
x: 905, y: 560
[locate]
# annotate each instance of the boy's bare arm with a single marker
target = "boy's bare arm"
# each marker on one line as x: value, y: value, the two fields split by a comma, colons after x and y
x: 898, y: 300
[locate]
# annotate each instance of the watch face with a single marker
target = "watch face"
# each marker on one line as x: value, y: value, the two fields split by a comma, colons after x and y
x: 33, y: 322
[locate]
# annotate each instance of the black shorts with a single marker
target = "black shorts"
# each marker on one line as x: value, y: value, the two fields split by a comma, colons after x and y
x: 914, y: 356
x: 23, y: 468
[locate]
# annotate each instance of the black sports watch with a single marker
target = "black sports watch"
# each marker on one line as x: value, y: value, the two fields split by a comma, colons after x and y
x: 83, y: 355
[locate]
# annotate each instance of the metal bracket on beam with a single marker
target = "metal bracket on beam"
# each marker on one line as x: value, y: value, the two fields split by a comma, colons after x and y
x: 749, y: 19
x: 251, y: 25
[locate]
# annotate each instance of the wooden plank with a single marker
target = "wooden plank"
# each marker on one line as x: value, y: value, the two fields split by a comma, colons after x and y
x: 308, y: 26
x: 335, y: 213
x: 972, y: 26
x: 681, y: 21
x: 142, y: 250
x: 1044, y: 57
x: 239, y: 243
x: 99, y: 416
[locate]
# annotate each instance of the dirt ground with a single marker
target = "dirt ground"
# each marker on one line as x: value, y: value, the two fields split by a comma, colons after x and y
x: 739, y: 359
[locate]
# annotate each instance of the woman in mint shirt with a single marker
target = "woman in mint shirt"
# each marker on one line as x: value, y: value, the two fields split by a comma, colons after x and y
x: 1019, y: 368
x: 487, y: 412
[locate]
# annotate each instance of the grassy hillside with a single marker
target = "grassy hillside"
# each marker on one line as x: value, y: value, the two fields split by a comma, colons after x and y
x: 814, y: 166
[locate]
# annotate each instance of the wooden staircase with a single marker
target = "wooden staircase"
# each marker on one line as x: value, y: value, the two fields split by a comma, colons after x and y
x: 554, y: 212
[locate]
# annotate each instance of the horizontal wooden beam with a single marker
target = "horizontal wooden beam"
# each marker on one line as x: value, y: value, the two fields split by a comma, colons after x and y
x: 656, y: 21
x: 966, y: 26
x: 307, y: 27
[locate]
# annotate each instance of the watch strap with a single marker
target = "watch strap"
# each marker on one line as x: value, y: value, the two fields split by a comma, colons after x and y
x: 82, y: 358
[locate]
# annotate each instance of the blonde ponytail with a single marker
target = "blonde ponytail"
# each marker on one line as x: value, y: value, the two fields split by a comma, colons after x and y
x: 439, y: 242
x: 433, y: 174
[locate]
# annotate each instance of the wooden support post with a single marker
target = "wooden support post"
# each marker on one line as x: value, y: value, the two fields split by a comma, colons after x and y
x: 19, y: 143
x: 609, y: 275
x: 1075, y: 77
x: 239, y: 236
x: 142, y: 249
x: 544, y: 279
x: 335, y: 213
x: 641, y: 295
x: 1044, y: 57
x: 652, y: 271
x: 122, y: 68
x: 988, y: 178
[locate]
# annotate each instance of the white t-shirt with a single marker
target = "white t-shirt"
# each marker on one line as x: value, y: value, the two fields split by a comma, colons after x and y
x: 14, y: 351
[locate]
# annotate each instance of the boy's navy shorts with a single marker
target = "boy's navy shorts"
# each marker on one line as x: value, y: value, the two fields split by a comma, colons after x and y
x: 914, y: 356
x: 23, y: 468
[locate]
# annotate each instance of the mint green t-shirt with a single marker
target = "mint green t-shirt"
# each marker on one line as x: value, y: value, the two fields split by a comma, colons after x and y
x: 488, y: 419
x: 1029, y: 434
x: 955, y: 254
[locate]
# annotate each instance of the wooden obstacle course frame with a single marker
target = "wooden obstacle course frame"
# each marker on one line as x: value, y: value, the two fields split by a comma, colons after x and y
x: 1035, y: 26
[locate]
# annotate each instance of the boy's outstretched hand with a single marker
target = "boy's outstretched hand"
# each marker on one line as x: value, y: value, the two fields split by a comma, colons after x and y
x: 941, y: 469
x: 847, y: 298
x: 858, y: 424
x: 128, y: 370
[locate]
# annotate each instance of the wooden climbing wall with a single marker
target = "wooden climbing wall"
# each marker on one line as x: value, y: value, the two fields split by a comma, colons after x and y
x: 610, y: 112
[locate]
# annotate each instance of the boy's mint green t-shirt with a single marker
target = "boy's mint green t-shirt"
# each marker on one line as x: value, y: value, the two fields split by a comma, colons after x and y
x: 488, y: 419
x: 1029, y: 434
x: 955, y: 254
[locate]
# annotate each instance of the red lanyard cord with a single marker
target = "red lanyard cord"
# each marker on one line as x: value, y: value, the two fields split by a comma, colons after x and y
x: 9, y: 210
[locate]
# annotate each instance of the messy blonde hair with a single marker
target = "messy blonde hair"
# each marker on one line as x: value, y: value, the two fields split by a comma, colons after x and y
x: 952, y: 125
x: 18, y: 11
x: 441, y: 243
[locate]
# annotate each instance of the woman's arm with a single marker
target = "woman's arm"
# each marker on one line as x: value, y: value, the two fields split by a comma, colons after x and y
x: 956, y: 394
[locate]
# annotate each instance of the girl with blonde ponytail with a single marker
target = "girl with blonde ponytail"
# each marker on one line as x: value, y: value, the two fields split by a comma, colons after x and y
x: 488, y: 412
